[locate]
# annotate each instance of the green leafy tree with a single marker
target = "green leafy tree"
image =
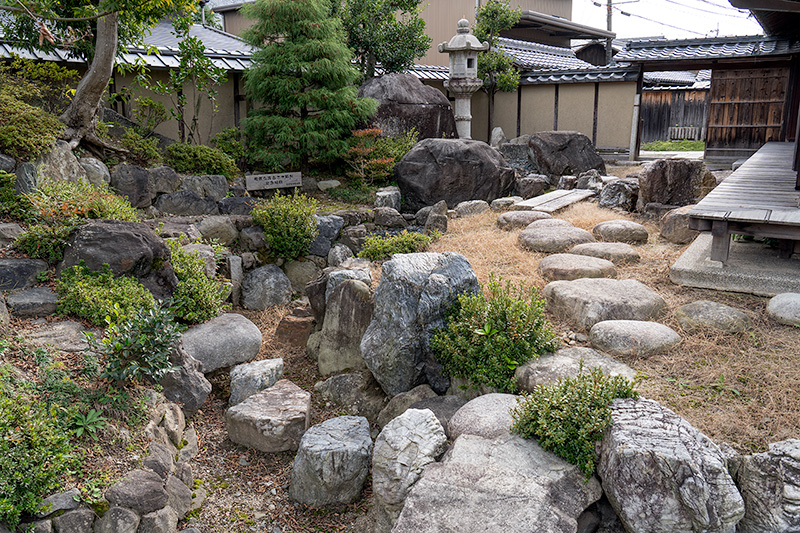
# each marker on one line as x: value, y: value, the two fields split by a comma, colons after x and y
x: 495, y: 68
x: 302, y: 84
x: 94, y: 30
x: 389, y: 32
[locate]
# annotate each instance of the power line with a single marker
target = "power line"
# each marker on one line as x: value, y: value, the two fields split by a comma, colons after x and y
x: 658, y: 22
x: 743, y: 11
x: 737, y: 16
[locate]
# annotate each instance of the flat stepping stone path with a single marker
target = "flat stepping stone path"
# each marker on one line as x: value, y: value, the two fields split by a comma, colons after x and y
x: 704, y: 314
x: 553, y: 201
x: 570, y: 266
x: 633, y: 337
x: 65, y: 336
x: 587, y: 301
x: 552, y: 236
x: 38, y: 301
x: 566, y: 363
x: 785, y: 308
x: 272, y: 420
x: 621, y: 231
x: 519, y: 219
x: 616, y: 252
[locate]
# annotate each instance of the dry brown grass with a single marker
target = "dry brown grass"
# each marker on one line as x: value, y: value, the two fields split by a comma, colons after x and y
x: 738, y: 388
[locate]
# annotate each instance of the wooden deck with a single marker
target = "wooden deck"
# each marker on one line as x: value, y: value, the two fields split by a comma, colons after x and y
x: 758, y: 199
x: 553, y: 201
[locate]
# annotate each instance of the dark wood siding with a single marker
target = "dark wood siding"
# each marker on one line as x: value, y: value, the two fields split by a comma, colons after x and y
x: 662, y: 109
x: 746, y: 110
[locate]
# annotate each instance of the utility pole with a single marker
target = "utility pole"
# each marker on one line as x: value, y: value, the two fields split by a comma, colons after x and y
x: 609, y: 51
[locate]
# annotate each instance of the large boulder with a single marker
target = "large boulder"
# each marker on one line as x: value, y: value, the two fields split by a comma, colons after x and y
x: 404, y: 102
x: 265, y: 287
x: 557, y: 153
x: 211, y: 186
x: 674, y: 225
x: 348, y: 314
x: 453, y: 170
x: 129, y: 248
x: 20, y: 273
x: 662, y: 475
x: 356, y: 393
x: 674, y: 182
x: 60, y: 164
x: 185, y: 384
x: 186, y: 203
x: 507, y: 484
x: 140, y: 490
x: 785, y: 308
x: 96, y: 171
x: 622, y: 193
x: 332, y: 463
x: 132, y: 182
x: 487, y: 416
x: 411, y: 301
x: 328, y: 228
x: 402, y: 402
x: 250, y: 378
x: 224, y: 341
x: 769, y: 483
x: 404, y: 447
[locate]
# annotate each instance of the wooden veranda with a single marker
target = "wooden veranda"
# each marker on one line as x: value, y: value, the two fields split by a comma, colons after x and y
x: 759, y: 199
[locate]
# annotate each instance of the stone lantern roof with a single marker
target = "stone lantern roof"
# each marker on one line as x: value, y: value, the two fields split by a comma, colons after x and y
x: 463, y: 40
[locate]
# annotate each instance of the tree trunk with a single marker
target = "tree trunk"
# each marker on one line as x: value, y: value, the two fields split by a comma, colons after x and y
x: 81, y: 115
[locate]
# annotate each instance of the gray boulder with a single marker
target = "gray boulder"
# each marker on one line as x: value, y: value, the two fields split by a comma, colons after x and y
x: 300, y: 274
x: 507, y: 484
x: 487, y: 416
x: 471, y: 207
x: 60, y: 164
x: 662, y: 474
x: 571, y: 266
x: 519, y: 156
x: 411, y: 301
x: 405, y: 103
x: 117, y: 520
x: 219, y: 228
x: 252, y: 238
x: 65, y: 336
x: 403, y: 401
x: 185, y: 384
x: 444, y: 407
x: 75, y: 521
x: 59, y: 502
x: 96, y: 171
x: 674, y: 226
x: 591, y: 179
x: 163, y: 180
x: 674, y: 182
x: 236, y: 205
x: 622, y: 193
x: 140, y: 490
x: 704, y: 314
x: 272, y: 420
x: 226, y: 340
x: 332, y: 462
x: 265, y: 287
x: 769, y: 483
x: 549, y: 368
x: 162, y: 521
x: 567, y: 183
x: 621, y: 231
x: 186, y: 203
x: 585, y: 302
x: 179, y: 496
x: 557, y: 153
x: 520, y: 219
x: 27, y: 179
x: 38, y: 301
x: 504, y: 203
x: 328, y: 228
x: 209, y: 186
x: 357, y: 393
x: 453, y: 170
x: 389, y: 217
x: 338, y: 254
x: 7, y: 163
x: 20, y: 273
x: 9, y: 231
x: 130, y: 249
x: 531, y: 185
x: 250, y: 378
x: 347, y: 316
x: 497, y: 138
x: 785, y: 308
x: 633, y: 337
x: 132, y: 182
x: 319, y: 290
x: 388, y: 197
x: 354, y: 237
x: 405, y: 446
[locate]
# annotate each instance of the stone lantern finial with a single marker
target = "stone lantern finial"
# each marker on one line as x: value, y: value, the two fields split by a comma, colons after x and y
x: 463, y: 49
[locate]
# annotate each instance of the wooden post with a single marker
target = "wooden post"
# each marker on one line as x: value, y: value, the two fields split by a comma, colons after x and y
x: 633, y: 153
x: 596, y: 105
x: 519, y: 109
x: 555, y: 109
x: 720, y: 241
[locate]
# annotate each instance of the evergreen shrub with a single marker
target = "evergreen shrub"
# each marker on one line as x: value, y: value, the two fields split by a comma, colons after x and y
x: 289, y: 223
x: 61, y: 202
x: 198, y: 159
x: 26, y: 131
x: 44, y: 242
x: 197, y: 298
x: 378, y: 247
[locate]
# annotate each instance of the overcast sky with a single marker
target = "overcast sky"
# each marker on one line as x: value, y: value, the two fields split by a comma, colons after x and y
x: 677, y: 19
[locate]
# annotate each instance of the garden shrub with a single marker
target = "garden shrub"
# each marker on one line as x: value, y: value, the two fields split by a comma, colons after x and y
x: 137, y: 347
x: 12, y: 205
x: 44, y: 242
x: 489, y: 334
x: 149, y: 113
x: 230, y: 142
x: 61, y: 202
x: 288, y: 222
x: 97, y: 295
x: 34, y: 453
x: 378, y: 247
x: 372, y: 158
x: 197, y: 298
x: 26, y: 131
x: 199, y: 159
x: 43, y: 84
x: 142, y: 151
x: 569, y: 417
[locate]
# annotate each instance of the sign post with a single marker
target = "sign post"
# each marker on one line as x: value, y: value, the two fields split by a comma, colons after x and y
x: 281, y: 180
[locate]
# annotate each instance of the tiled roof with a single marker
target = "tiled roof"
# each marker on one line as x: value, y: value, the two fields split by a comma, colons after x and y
x: 533, y: 56
x: 592, y: 75
x: 705, y: 49
x: 671, y: 79
x: 427, y: 72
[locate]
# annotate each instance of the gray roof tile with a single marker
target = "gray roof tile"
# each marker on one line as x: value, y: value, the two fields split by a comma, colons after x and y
x: 705, y: 49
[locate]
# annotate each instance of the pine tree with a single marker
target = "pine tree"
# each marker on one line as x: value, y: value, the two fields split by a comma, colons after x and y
x: 302, y: 85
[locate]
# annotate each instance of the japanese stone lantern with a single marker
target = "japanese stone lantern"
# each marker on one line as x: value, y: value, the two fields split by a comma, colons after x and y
x: 463, y: 49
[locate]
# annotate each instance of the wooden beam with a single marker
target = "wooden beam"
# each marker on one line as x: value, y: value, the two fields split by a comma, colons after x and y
x: 720, y: 241
x: 636, y: 129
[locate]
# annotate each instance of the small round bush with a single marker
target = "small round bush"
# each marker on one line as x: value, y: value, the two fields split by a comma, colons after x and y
x: 199, y: 159
x: 376, y: 247
x: 61, y: 202
x: 26, y: 131
x: 197, y: 298
x: 12, y: 205
x: 288, y: 222
x: 97, y: 295
x: 142, y: 150
x: 488, y: 335
x: 44, y: 242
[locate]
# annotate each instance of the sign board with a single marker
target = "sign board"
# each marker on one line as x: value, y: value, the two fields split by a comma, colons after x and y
x: 258, y: 182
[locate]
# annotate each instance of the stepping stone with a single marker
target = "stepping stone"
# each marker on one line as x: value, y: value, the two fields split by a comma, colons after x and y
x: 621, y: 231
x: 633, y: 337
x: 549, y: 223
x: 501, y: 204
x: 332, y: 463
x: 65, y: 336
x: 587, y: 301
x: 552, y: 239
x: 705, y: 314
x: 553, y: 201
x: 785, y: 308
x: 224, y: 341
x: 616, y: 252
x: 487, y: 416
x: 38, y: 301
x: 472, y: 207
x: 251, y: 378
x: 20, y: 273
x: 272, y: 420
x: 520, y: 219
x: 566, y: 363
x: 570, y: 266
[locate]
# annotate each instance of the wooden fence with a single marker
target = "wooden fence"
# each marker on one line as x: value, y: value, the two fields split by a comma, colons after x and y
x: 666, y: 109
